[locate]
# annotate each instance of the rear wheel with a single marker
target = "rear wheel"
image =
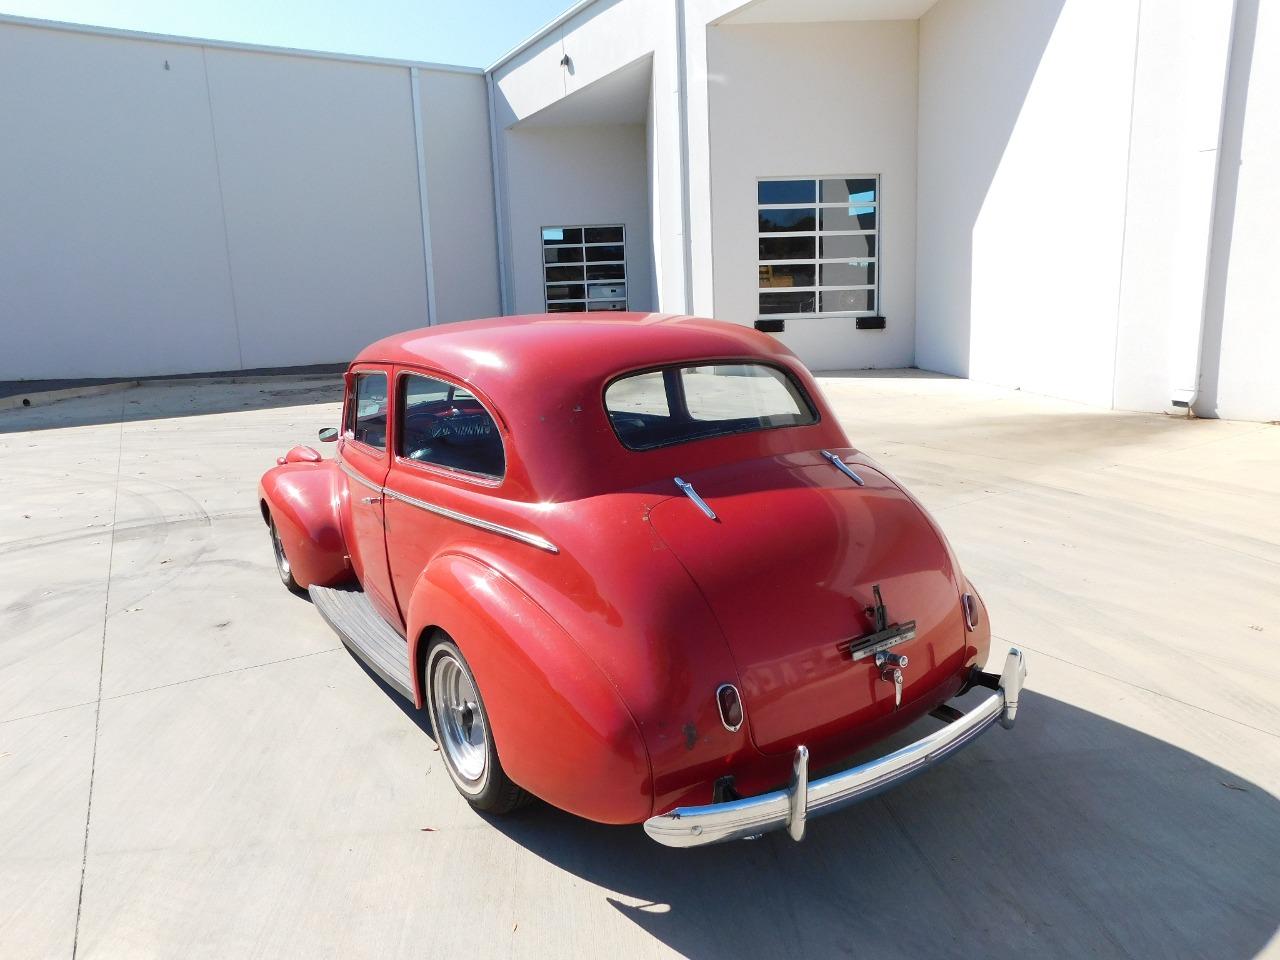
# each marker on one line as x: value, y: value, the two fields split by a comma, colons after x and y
x: 462, y: 730
x: 283, y: 567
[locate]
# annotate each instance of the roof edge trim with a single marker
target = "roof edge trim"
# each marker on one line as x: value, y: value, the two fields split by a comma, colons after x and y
x: 540, y: 33
x: 122, y: 34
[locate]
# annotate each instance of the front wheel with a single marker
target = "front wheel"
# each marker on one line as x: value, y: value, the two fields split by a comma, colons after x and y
x: 463, y: 733
x: 283, y: 566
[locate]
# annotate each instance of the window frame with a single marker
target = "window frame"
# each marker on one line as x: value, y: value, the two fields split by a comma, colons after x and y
x: 586, y: 301
x: 790, y: 378
x: 817, y: 260
x: 350, y: 411
x: 439, y: 469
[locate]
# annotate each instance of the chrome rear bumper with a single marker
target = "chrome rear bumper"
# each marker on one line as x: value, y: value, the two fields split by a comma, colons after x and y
x: 803, y: 799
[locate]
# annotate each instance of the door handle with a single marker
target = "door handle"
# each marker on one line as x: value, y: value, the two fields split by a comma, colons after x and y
x: 370, y: 499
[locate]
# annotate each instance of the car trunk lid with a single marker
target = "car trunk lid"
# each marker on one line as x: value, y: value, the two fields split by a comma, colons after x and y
x: 789, y: 567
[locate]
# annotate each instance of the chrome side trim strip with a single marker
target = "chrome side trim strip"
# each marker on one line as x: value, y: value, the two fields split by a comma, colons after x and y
x: 687, y: 489
x: 358, y: 478
x: 532, y: 539
x: 843, y: 467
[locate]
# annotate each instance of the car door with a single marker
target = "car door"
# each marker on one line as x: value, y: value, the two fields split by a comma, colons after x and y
x: 449, y: 457
x: 364, y: 456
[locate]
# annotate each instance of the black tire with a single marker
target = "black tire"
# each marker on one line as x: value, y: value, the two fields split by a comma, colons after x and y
x: 283, y: 567
x: 462, y: 730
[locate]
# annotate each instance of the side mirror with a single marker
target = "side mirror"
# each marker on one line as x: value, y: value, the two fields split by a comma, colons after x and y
x: 328, y: 434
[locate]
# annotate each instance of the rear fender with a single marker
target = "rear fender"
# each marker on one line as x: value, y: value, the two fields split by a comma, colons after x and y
x: 306, y: 499
x: 559, y: 725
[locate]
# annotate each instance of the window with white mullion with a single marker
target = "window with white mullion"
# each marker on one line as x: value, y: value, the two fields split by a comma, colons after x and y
x: 817, y: 242
x: 584, y: 268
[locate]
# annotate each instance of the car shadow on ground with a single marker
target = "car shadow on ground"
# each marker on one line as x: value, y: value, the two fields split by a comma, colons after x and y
x: 1071, y: 836
x: 170, y: 400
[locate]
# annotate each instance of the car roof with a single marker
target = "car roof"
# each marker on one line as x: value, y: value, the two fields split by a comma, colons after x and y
x: 503, y: 355
x: 544, y: 375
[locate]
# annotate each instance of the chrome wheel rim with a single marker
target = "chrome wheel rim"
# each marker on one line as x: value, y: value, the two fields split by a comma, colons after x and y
x: 282, y: 562
x: 460, y: 725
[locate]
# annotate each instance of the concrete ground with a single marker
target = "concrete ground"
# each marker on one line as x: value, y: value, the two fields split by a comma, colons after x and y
x: 192, y: 766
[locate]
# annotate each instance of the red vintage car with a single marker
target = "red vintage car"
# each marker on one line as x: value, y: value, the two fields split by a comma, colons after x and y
x: 631, y: 565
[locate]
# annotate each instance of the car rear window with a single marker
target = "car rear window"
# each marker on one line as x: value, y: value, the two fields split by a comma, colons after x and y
x: 678, y: 404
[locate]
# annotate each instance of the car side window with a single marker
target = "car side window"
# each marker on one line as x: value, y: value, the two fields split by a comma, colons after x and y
x: 446, y: 426
x: 367, y: 411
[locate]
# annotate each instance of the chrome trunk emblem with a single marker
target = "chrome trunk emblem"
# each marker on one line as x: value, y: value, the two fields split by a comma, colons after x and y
x: 884, y: 636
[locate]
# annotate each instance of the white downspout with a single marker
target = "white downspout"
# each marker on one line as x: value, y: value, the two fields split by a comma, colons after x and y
x: 1186, y: 390
x: 499, y: 177
x: 682, y: 106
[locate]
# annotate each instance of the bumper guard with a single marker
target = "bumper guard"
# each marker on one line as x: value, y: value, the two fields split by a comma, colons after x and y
x: 802, y: 799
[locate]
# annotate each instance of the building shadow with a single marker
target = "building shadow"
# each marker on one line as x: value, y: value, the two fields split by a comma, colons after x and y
x: 169, y: 400
x: 1072, y: 836
x: 421, y: 718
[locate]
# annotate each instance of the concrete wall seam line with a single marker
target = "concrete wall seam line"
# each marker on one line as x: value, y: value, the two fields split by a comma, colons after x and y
x: 146, y: 37
x: 424, y: 207
x: 222, y: 209
x: 500, y: 214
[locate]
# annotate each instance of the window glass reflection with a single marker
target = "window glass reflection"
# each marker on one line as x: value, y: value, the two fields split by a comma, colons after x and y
x: 839, y: 301
x: 859, y: 190
x: 603, y: 253
x: 796, y: 301
x: 605, y: 271
x: 852, y: 273
x: 785, y: 191
x: 849, y: 218
x: 786, y: 248
x: 561, y: 235
x: 790, y: 218
x: 858, y: 245
x: 603, y: 234
x: 786, y: 275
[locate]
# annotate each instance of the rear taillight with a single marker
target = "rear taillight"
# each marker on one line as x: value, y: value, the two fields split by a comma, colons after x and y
x: 970, y: 604
x: 730, y: 704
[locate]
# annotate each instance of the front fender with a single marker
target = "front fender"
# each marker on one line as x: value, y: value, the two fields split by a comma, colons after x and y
x: 560, y: 727
x: 305, y: 499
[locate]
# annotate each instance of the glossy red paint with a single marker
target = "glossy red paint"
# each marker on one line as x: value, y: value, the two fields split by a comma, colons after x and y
x: 307, y: 503
x: 599, y: 662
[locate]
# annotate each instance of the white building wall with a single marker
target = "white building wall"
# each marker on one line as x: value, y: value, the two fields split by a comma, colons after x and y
x: 112, y: 252
x: 815, y: 99
x: 320, y: 187
x: 455, y: 125
x: 562, y: 176
x: 1176, y: 123
x: 1024, y: 137
x: 1241, y: 357
x: 177, y: 207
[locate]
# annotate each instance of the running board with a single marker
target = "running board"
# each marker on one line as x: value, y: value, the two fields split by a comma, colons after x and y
x: 366, y: 634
